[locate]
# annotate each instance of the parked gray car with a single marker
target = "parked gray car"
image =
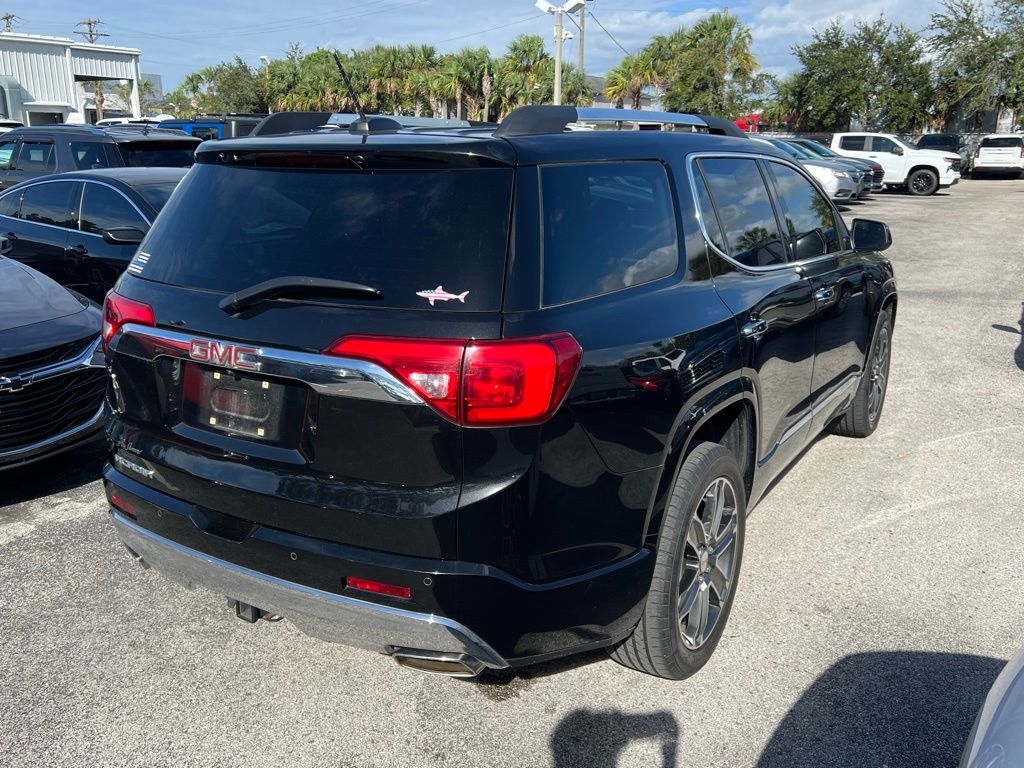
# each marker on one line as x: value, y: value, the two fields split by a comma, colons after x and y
x: 840, y: 181
x: 997, y: 739
x: 875, y: 171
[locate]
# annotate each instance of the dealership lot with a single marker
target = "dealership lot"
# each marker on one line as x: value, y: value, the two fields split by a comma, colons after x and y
x: 878, y: 599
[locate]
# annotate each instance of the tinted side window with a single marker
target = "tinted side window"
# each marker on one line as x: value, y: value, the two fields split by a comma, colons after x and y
x: 744, y: 210
x: 10, y: 203
x: 882, y: 144
x: 7, y: 154
x: 91, y: 154
x: 106, y: 208
x: 205, y: 133
x: 807, y: 215
x: 48, y: 203
x: 852, y: 143
x: 37, y: 157
x: 607, y: 226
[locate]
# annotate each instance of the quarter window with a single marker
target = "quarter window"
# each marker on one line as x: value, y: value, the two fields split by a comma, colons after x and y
x: 744, y: 210
x: 106, y: 208
x: 607, y: 226
x: 92, y: 154
x: 808, y: 217
x: 852, y: 143
x: 37, y: 157
x: 6, y: 154
x: 48, y: 203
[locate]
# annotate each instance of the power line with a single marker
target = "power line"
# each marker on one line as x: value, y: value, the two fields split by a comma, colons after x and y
x: 612, y: 37
x: 490, y: 29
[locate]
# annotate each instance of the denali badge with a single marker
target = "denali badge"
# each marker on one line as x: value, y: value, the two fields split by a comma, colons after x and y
x: 131, y: 466
x: 222, y: 353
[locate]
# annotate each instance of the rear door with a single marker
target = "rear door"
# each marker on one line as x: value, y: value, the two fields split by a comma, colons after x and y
x: 101, y: 263
x: 772, y: 301
x: 254, y: 413
x: 40, y: 232
x: 818, y: 242
x: 36, y: 157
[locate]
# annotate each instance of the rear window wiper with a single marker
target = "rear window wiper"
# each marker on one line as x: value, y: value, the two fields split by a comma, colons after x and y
x: 296, y: 287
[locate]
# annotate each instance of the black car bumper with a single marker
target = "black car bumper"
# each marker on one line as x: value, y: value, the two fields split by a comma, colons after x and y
x: 469, y: 611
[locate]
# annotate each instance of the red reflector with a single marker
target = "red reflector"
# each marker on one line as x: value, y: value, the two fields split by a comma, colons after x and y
x: 117, y: 310
x: 378, y: 587
x: 507, y: 382
x: 124, y: 505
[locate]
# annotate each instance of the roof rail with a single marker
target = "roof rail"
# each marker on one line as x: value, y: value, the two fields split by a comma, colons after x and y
x: 528, y: 121
x: 289, y: 122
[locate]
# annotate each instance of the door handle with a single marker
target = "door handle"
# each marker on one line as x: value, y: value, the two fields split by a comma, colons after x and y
x: 824, y: 294
x: 77, y: 250
x: 755, y: 329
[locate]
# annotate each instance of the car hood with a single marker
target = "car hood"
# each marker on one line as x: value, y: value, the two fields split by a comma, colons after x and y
x: 28, y: 297
x: 936, y: 154
x: 828, y: 165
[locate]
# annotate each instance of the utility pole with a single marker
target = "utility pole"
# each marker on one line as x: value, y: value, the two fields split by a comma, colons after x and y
x: 9, y: 19
x: 583, y: 32
x: 91, y: 34
x: 558, y: 56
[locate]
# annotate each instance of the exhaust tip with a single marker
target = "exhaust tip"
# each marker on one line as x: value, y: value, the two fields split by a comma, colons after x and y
x: 439, y: 662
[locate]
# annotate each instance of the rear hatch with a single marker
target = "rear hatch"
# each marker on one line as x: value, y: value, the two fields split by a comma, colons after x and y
x: 253, y: 411
x: 1001, y: 149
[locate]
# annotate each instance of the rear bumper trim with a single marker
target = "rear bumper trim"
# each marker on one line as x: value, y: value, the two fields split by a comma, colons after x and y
x: 324, y: 615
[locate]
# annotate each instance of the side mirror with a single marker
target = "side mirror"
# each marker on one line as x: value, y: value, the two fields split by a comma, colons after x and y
x: 809, y: 245
x: 897, y: 150
x: 869, y: 235
x: 123, y: 236
x: 6, y: 246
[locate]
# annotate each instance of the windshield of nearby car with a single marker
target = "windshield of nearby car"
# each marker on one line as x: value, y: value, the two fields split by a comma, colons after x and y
x: 903, y: 142
x: 800, y: 151
x: 818, y: 149
x: 1001, y: 142
x: 157, y: 193
x: 938, y: 141
x: 789, y: 149
x: 158, y: 154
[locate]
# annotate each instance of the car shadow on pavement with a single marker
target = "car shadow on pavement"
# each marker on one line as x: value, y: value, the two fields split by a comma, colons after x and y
x: 899, y: 708
x: 595, y: 738
x: 1018, y: 355
x: 57, y: 474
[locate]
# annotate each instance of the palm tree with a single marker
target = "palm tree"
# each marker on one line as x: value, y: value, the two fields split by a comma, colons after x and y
x: 387, y: 71
x: 629, y: 79
x: 522, y: 65
x: 192, y: 85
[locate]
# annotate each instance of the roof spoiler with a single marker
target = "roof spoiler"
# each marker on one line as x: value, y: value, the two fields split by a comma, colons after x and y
x: 290, y: 122
x: 287, y: 122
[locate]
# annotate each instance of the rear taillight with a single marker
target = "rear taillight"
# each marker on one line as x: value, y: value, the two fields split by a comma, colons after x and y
x: 117, y: 310
x: 507, y: 382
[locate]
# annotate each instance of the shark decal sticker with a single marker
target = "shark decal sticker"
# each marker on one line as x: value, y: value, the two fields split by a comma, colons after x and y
x: 440, y: 294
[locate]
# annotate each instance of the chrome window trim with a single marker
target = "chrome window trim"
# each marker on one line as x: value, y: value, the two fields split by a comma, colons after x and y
x: 691, y: 167
x: 327, y: 374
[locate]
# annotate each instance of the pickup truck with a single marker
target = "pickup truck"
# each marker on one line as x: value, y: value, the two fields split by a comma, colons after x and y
x: 921, y: 171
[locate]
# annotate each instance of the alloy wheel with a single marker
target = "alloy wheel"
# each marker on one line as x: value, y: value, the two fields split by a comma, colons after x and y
x: 879, y: 374
x: 709, y: 563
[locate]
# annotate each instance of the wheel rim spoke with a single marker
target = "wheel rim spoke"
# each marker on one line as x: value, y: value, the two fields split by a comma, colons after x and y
x: 697, y: 618
x: 720, y: 583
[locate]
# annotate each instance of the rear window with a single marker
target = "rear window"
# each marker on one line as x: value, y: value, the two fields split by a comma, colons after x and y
x: 404, y: 232
x: 158, y: 154
x: 607, y: 226
x: 1002, y: 142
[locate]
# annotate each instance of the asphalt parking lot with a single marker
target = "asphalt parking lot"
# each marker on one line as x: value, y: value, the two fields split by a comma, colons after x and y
x: 880, y: 593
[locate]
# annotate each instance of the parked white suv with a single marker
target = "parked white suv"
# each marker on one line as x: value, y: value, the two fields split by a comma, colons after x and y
x: 921, y: 171
x: 1001, y: 152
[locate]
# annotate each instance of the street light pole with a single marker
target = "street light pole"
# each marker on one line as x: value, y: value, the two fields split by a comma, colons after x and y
x: 583, y: 28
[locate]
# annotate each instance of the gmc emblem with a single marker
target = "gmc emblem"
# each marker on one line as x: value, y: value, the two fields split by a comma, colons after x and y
x: 222, y: 353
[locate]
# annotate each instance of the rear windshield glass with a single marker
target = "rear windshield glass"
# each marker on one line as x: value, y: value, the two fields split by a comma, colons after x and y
x: 1002, y: 142
x: 157, y: 194
x: 424, y: 238
x: 158, y: 154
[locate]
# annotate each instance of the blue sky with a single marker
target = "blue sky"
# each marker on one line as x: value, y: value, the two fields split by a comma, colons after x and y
x: 184, y: 35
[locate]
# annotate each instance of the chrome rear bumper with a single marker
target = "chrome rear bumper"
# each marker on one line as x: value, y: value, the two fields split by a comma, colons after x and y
x: 324, y: 615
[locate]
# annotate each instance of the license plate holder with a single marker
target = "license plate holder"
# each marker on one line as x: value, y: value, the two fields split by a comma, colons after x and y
x: 234, y: 403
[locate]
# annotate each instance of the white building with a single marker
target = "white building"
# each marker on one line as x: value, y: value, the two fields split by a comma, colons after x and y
x: 40, y: 77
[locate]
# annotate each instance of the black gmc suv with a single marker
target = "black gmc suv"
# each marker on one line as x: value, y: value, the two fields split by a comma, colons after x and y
x: 480, y: 397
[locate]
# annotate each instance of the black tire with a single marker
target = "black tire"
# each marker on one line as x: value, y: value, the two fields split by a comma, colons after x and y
x: 659, y: 644
x: 922, y: 182
x: 862, y: 417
